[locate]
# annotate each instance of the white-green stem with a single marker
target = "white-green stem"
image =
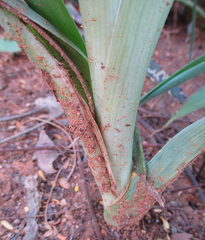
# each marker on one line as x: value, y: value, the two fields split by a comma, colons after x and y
x: 120, y: 39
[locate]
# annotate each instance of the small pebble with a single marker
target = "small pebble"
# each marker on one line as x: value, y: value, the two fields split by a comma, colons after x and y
x: 63, y: 183
x: 16, y: 222
x: 172, y: 203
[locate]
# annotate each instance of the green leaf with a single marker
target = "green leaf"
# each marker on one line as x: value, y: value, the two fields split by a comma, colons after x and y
x: 120, y: 39
x: 162, y: 170
x: 186, y: 73
x: 193, y: 24
x: 56, y: 13
x: 52, y: 50
x: 195, y: 102
x: 177, y: 154
x: 137, y: 152
x: 26, y: 11
x: 72, y: 51
x: 190, y: 4
x: 59, y: 80
x: 9, y: 46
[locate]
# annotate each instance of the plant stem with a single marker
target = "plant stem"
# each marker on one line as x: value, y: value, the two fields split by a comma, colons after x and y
x: 192, y: 30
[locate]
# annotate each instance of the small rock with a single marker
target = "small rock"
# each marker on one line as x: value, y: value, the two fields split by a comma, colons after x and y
x: 172, y: 203
x: 63, y: 183
x: 174, y: 230
x: 16, y: 221
x: 75, y: 205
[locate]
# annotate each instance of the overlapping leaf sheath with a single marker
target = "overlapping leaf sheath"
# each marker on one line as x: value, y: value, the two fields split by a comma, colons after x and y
x: 120, y: 38
x: 59, y: 79
x: 162, y: 170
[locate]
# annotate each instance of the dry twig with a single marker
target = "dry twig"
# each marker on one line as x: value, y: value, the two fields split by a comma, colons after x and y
x: 22, y: 114
x: 94, y: 220
x: 24, y: 132
x: 185, y: 188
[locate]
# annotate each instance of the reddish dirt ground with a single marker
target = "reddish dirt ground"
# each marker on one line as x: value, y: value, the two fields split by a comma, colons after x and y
x: 68, y: 212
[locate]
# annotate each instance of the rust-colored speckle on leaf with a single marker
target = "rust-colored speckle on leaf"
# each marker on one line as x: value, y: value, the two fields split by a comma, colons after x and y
x: 202, y: 149
x: 40, y: 58
x: 114, y: 77
x: 79, y: 124
x: 131, y: 212
x: 105, y: 80
x: 102, y: 66
x: 117, y: 130
x: 105, y: 128
x: 46, y: 76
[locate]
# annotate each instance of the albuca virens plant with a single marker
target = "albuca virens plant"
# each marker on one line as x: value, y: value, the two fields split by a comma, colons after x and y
x: 98, y: 83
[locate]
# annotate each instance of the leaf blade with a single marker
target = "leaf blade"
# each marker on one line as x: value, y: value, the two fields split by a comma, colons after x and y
x: 191, y: 70
x: 162, y: 170
x: 194, y: 103
x: 118, y: 58
x: 177, y: 154
x: 26, y: 11
x: 20, y: 9
x: 56, y: 13
x: 71, y: 101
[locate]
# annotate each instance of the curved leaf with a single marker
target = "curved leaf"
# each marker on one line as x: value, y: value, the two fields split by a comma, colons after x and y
x: 71, y: 50
x: 58, y: 78
x: 177, y: 154
x: 26, y: 11
x: 56, y: 13
x: 162, y: 170
x: 195, y: 102
x: 186, y: 73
